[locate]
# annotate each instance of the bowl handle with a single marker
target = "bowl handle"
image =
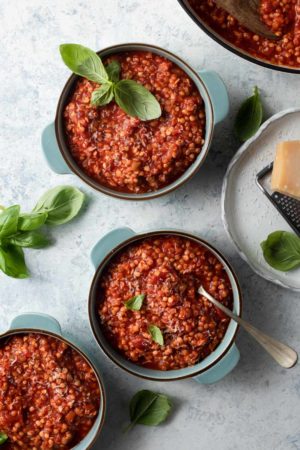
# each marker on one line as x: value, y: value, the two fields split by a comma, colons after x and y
x: 217, y: 92
x: 52, y: 153
x: 36, y: 321
x: 108, y: 243
x: 221, y: 369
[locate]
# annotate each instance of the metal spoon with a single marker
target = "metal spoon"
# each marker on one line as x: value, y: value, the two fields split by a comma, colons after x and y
x: 283, y: 355
x: 247, y: 13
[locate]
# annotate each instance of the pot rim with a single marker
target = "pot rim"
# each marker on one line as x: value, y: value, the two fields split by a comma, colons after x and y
x: 231, y: 47
x: 16, y: 331
x: 73, y: 166
x: 123, y: 245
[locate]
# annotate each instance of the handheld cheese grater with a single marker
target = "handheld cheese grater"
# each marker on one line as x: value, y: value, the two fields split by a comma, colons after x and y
x: 288, y: 207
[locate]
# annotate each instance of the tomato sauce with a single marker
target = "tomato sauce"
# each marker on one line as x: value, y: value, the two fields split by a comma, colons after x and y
x: 125, y: 153
x: 282, y: 17
x: 168, y: 270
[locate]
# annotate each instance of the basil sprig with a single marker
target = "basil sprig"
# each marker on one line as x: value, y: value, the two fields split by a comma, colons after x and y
x: 129, y: 95
x: 135, y: 303
x: 3, y: 437
x: 148, y: 408
x: 9, y: 221
x: 31, y: 221
x: 249, y: 117
x: 281, y: 250
x: 61, y: 204
x: 12, y: 261
x: 17, y: 231
x: 156, y: 334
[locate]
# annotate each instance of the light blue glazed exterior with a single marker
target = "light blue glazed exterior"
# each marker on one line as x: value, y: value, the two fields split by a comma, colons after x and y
x: 213, y: 368
x: 47, y: 324
x: 213, y: 92
x: 52, y: 153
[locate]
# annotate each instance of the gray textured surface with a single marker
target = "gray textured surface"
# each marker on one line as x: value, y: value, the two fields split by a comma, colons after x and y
x: 258, y: 405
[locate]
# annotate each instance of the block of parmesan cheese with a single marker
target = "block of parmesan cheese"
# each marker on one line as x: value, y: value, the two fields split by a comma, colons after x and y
x: 286, y: 170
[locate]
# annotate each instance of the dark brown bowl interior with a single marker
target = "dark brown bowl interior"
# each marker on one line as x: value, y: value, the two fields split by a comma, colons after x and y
x: 94, y: 298
x: 10, y: 333
x: 232, y: 48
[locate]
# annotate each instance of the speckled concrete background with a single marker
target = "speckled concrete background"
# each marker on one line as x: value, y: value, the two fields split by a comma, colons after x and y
x: 257, y: 407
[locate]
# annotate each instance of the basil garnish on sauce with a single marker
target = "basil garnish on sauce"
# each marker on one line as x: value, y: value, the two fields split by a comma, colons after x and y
x: 3, y: 437
x: 17, y: 231
x: 136, y: 100
x: 129, y: 95
x: 84, y: 62
x: 249, y: 117
x: 148, y: 408
x: 156, y: 334
x: 103, y: 95
x: 135, y: 303
x: 282, y: 251
x: 113, y: 70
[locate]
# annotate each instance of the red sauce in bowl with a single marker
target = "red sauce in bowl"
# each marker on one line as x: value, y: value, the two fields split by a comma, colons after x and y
x: 282, y: 17
x: 49, y: 394
x: 125, y: 153
x: 168, y: 270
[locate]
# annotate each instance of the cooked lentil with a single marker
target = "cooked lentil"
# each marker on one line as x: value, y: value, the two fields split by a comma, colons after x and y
x: 169, y: 270
x: 281, y: 16
x: 125, y: 153
x: 49, y: 395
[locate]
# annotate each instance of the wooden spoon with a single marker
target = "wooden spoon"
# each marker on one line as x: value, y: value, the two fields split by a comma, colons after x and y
x: 285, y: 356
x: 247, y: 13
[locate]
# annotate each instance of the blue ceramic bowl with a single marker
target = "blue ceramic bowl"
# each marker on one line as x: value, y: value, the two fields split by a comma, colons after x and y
x: 42, y: 323
x: 210, y: 86
x: 213, y: 368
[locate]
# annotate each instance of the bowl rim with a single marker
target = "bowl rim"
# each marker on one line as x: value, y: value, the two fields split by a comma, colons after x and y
x: 231, y: 47
x: 73, y: 166
x: 15, y: 331
x: 243, y: 150
x: 123, y: 245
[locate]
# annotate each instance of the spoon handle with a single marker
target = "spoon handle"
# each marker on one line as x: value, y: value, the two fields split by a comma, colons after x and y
x: 284, y: 355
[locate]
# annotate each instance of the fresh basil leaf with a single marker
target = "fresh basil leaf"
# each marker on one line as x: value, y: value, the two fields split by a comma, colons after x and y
x: 149, y: 408
x: 136, y: 100
x: 61, y: 204
x: 84, y: 62
x: 249, y: 117
x: 9, y: 221
x: 113, y: 70
x: 29, y: 239
x: 156, y: 334
x: 3, y: 437
x: 103, y: 95
x: 282, y: 250
x: 135, y: 303
x: 31, y: 221
x: 12, y: 261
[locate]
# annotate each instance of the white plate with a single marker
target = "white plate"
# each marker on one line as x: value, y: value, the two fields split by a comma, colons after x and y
x: 248, y: 216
